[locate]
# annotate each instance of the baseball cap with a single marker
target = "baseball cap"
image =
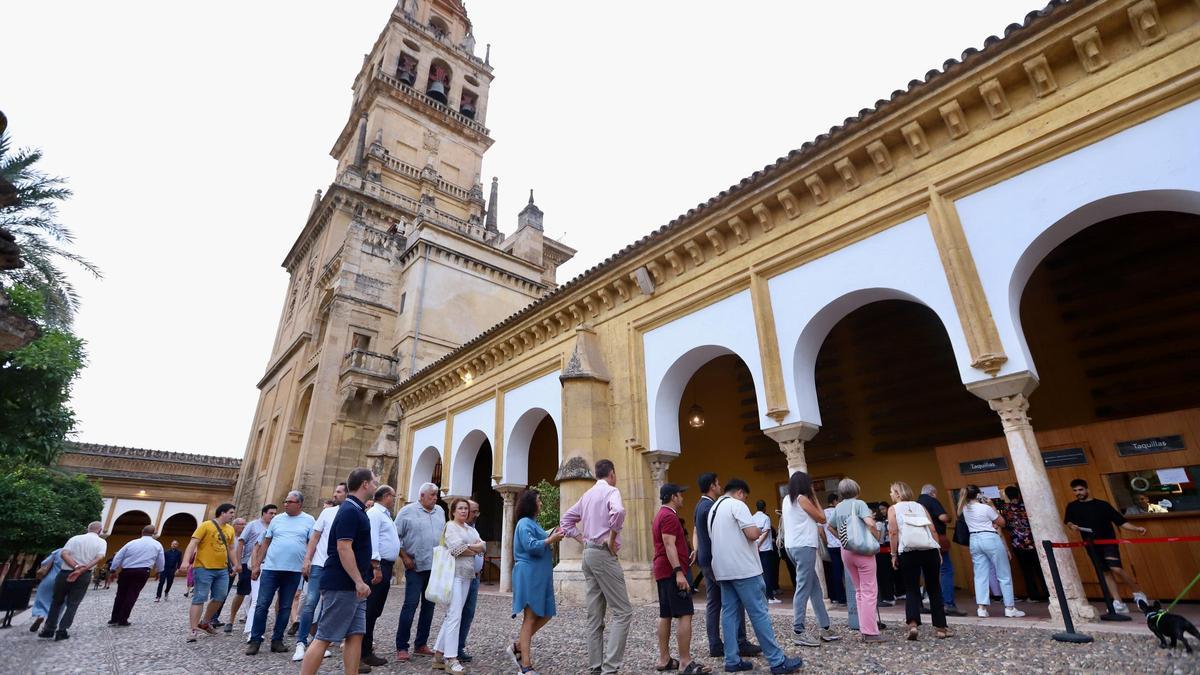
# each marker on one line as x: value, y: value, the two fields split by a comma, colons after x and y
x: 669, y: 490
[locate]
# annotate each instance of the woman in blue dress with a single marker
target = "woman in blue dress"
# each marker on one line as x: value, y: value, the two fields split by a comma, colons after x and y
x: 45, y: 591
x: 532, y: 576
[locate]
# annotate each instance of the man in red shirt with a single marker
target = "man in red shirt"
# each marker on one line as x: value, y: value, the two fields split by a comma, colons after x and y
x: 672, y: 574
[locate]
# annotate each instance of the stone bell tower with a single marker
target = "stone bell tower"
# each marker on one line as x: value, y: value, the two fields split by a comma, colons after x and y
x: 396, y: 264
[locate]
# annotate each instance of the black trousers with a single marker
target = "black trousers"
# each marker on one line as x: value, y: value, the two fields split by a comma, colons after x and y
x: 791, y: 566
x: 1031, y: 571
x: 375, y: 603
x: 835, y: 576
x: 884, y: 576
x: 770, y: 565
x: 129, y: 586
x: 913, y: 566
x: 167, y: 577
x: 67, y: 596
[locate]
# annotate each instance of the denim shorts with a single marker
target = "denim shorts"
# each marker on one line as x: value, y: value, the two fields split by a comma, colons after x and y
x: 342, y: 614
x: 210, y: 585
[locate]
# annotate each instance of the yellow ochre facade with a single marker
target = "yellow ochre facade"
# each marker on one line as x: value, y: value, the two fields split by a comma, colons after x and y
x: 881, y: 303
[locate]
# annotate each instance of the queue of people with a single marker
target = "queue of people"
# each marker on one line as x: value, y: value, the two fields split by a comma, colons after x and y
x: 337, y: 569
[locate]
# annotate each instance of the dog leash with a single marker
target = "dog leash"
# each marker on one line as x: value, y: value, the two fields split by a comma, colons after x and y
x: 1183, y: 592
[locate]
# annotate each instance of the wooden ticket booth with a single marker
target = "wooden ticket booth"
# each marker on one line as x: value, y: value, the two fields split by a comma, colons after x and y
x: 1147, y: 467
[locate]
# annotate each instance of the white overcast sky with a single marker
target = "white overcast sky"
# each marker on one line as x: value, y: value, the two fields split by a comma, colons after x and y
x: 194, y: 135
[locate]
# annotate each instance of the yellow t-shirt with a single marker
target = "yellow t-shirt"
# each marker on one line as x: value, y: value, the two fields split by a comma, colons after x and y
x: 210, y: 553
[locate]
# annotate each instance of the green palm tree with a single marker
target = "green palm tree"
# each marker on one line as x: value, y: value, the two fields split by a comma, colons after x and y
x: 33, y: 220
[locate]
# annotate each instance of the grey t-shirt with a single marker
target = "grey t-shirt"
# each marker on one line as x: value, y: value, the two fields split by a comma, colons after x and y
x: 251, y: 535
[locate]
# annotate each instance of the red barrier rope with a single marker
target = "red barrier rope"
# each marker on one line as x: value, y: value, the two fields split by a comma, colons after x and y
x: 1142, y: 540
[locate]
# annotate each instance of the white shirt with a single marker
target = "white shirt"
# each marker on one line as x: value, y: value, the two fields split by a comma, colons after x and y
x: 324, y: 522
x: 831, y: 541
x: 979, y: 517
x: 385, y: 544
x: 84, y: 548
x: 799, y: 529
x: 734, y: 556
x: 763, y: 521
x: 139, y: 553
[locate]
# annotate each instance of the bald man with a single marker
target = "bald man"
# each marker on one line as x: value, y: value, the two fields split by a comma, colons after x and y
x: 133, y: 564
x: 80, y: 555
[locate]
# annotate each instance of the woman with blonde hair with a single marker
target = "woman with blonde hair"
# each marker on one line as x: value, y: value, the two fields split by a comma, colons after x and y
x: 916, y: 553
x: 860, y: 541
x: 988, y: 552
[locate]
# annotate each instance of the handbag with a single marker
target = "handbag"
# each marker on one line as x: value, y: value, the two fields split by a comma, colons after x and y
x: 962, y: 534
x: 441, y: 574
x: 855, y: 536
x: 916, y: 531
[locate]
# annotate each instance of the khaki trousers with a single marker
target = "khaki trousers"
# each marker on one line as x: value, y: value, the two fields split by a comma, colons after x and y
x: 605, y: 581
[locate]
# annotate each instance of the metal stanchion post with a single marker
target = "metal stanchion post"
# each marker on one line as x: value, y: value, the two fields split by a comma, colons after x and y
x: 1112, y: 614
x: 1069, y: 635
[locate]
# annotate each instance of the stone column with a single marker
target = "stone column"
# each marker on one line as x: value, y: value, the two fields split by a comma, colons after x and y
x: 791, y: 438
x: 659, y: 461
x: 508, y: 491
x: 1008, y: 396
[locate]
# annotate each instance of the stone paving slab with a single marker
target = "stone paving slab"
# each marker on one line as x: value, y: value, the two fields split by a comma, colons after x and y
x: 155, y: 644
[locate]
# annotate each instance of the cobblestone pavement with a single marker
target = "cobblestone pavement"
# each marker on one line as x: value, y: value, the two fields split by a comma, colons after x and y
x: 155, y: 644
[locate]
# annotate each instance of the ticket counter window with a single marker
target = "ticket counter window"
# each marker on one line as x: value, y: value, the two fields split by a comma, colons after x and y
x: 1156, y: 491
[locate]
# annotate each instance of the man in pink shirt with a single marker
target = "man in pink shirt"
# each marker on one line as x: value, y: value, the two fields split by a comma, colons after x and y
x: 595, y: 521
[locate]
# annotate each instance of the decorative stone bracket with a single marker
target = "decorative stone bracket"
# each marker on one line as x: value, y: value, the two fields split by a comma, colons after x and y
x: 791, y: 438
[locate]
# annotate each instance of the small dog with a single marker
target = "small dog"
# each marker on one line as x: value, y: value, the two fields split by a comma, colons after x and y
x: 1165, y: 625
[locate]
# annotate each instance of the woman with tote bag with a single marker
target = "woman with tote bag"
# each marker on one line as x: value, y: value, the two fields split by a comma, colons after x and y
x: 860, y: 542
x: 916, y: 553
x: 462, y: 543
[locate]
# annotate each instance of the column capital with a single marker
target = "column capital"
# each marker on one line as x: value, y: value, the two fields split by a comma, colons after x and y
x: 1022, y: 383
x: 660, y: 462
x: 508, y: 490
x: 796, y: 431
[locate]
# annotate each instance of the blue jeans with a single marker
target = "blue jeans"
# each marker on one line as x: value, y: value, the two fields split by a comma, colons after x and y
x: 468, y: 614
x: 311, y: 597
x: 270, y: 582
x: 988, y: 555
x: 947, y: 574
x: 808, y: 589
x: 414, y: 594
x: 749, y: 594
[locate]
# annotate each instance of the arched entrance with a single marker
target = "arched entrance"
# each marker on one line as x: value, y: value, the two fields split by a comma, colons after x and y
x: 1109, y: 316
x: 427, y: 468
x: 127, y: 527
x: 178, y: 527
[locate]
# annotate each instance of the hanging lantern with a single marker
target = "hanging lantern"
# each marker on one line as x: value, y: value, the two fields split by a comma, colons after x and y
x: 695, y: 417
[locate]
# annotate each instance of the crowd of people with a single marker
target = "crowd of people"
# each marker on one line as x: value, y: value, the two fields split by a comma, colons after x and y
x: 328, y: 578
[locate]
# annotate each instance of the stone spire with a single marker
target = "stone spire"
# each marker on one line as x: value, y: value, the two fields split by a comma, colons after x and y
x: 492, y: 206
x: 531, y: 215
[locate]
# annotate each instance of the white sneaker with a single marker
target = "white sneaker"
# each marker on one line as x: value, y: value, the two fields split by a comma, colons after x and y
x: 1140, y: 599
x: 981, y: 612
x: 1013, y: 612
x: 1120, y: 607
x: 774, y: 601
x: 299, y: 655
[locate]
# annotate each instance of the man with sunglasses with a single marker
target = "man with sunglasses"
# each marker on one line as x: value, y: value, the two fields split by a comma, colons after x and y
x: 277, y: 565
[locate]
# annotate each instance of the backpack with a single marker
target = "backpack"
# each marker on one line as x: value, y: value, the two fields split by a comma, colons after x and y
x: 915, y: 528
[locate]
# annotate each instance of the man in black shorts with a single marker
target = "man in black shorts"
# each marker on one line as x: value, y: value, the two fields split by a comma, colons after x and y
x: 1094, y: 519
x: 672, y: 574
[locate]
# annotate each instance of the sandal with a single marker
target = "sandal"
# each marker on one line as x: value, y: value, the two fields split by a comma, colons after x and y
x: 943, y: 633
x: 912, y: 633
x: 696, y: 668
x: 672, y: 664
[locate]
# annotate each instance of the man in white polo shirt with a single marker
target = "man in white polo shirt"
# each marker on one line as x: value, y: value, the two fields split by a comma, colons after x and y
x: 314, y: 562
x: 79, y: 556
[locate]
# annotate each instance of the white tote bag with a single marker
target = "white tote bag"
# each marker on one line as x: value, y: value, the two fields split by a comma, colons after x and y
x: 916, y: 531
x: 441, y: 575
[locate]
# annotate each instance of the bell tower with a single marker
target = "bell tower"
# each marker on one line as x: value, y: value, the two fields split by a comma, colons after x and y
x: 399, y: 261
x: 417, y: 120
